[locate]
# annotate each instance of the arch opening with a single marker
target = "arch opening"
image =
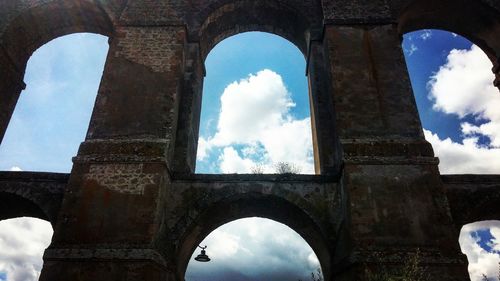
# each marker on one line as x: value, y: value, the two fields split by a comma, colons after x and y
x: 52, y: 114
x: 480, y: 242
x: 292, y: 215
x: 457, y: 100
x: 255, y: 249
x: 255, y: 117
x: 23, y: 241
x: 471, y: 19
x: 15, y: 206
x: 32, y: 27
x: 44, y: 22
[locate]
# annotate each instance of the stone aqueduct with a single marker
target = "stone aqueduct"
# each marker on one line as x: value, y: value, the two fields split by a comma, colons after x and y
x: 132, y: 207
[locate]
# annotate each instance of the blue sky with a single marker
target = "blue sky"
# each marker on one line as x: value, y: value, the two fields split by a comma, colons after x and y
x: 258, y: 80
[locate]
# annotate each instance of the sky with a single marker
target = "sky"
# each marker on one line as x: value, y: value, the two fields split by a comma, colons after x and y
x: 255, y: 114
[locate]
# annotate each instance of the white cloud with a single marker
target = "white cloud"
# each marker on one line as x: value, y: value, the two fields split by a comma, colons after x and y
x: 412, y: 49
x: 22, y: 243
x: 464, y: 86
x: 256, y: 248
x: 255, y: 115
x: 231, y: 162
x: 203, y: 149
x: 495, y: 243
x: 426, y: 35
x: 464, y: 158
x: 480, y: 261
x: 255, y: 104
x: 15, y: 169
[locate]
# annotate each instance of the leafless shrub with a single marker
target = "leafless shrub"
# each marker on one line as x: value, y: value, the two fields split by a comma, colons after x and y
x: 286, y: 168
x: 257, y: 169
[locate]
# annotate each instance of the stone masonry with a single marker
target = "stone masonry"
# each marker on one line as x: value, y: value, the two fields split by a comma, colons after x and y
x: 132, y: 207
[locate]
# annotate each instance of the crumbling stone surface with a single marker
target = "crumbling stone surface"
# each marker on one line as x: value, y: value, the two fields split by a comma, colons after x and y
x: 133, y: 209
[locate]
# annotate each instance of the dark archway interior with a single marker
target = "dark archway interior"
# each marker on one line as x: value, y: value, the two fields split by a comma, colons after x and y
x: 14, y: 206
x: 255, y: 205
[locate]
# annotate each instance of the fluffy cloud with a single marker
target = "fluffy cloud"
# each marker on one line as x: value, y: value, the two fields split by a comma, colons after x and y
x: 22, y: 242
x: 15, y: 169
x: 481, y: 261
x: 255, y: 116
x: 53, y: 113
x: 464, y: 158
x: 463, y: 87
x: 238, y: 248
x: 231, y: 162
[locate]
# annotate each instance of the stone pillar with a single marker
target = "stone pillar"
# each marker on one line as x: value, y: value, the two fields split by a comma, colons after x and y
x: 189, y: 111
x: 11, y: 86
x: 496, y: 71
x: 110, y: 220
x: 394, y: 199
x: 327, y: 150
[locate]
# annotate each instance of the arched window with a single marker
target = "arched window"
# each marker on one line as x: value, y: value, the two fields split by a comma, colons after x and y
x: 457, y: 101
x: 49, y: 122
x: 480, y: 241
x: 23, y: 241
x: 255, y: 114
x: 459, y: 109
x: 255, y: 249
x: 53, y: 112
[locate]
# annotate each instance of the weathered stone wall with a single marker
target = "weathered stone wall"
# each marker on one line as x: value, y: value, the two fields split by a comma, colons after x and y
x: 134, y: 210
x: 472, y: 198
x: 31, y: 194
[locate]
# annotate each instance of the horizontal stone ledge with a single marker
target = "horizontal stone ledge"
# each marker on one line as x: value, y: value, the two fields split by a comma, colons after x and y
x: 27, y: 176
x: 118, y: 159
x: 231, y: 178
x: 387, y: 148
x: 471, y: 178
x: 122, y: 150
x: 72, y: 254
x: 381, y: 160
x: 375, y: 21
x: 401, y: 255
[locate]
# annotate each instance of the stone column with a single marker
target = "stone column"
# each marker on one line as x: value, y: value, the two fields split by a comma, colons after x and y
x: 394, y: 198
x: 11, y: 86
x: 189, y: 111
x: 110, y: 220
x: 327, y: 150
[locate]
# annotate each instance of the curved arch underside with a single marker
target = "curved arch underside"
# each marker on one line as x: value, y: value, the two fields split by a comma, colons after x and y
x: 471, y: 19
x: 289, y: 20
x: 215, y: 206
x: 35, y: 26
x: 31, y: 194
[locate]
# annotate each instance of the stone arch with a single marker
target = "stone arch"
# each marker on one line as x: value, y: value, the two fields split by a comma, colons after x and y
x: 298, y: 21
x: 472, y: 198
x: 292, y: 20
x: 471, y: 19
x: 37, y: 195
x: 30, y: 28
x: 37, y: 25
x: 294, y: 214
x: 15, y: 206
